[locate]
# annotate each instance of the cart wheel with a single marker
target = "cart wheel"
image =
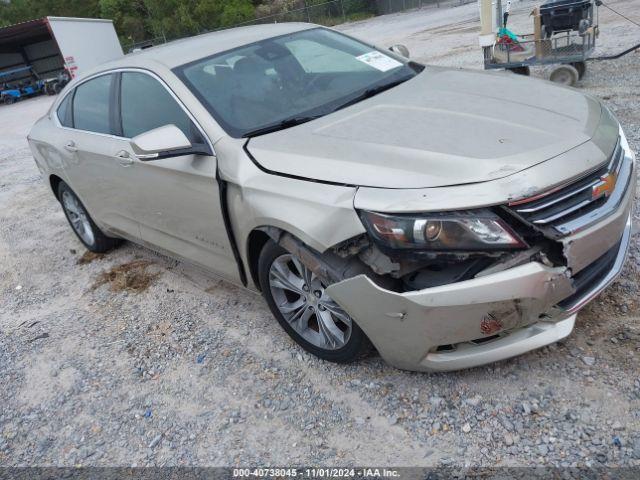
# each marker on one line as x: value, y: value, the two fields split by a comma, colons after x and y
x: 581, y: 67
x: 8, y: 100
x: 521, y: 70
x: 565, y: 75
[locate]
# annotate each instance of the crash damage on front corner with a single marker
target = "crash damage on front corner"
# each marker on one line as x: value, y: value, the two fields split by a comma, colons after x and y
x: 548, y: 182
x: 446, y: 310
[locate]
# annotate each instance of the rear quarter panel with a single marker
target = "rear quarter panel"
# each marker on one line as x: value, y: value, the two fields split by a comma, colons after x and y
x: 46, y: 145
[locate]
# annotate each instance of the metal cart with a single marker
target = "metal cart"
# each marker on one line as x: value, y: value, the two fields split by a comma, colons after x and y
x: 564, y: 34
x: 569, y: 49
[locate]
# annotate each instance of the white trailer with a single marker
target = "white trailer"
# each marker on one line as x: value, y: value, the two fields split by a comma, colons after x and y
x: 56, y: 46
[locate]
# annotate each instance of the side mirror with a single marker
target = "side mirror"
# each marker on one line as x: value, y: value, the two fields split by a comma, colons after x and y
x: 400, y: 49
x: 159, y: 142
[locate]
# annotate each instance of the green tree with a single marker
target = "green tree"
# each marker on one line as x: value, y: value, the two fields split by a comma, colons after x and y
x: 136, y: 20
x: 236, y: 11
x: 208, y: 13
x: 171, y: 18
x: 22, y: 10
x: 129, y: 18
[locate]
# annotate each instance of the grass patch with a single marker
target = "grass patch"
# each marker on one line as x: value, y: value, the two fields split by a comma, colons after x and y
x: 132, y: 276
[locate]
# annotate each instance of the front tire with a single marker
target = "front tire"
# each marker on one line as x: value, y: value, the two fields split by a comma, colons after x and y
x: 301, y: 305
x: 82, y: 224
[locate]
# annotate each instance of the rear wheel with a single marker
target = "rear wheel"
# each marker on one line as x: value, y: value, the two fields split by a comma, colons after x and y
x: 565, y: 75
x: 298, y: 300
x: 82, y: 224
x: 8, y: 100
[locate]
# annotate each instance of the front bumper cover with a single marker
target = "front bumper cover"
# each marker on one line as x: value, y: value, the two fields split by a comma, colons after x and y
x: 516, y: 309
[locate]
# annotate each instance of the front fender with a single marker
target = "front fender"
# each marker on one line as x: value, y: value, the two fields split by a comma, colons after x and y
x: 319, y: 214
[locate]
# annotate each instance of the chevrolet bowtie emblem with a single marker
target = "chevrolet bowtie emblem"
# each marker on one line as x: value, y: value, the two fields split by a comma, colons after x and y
x: 604, y: 188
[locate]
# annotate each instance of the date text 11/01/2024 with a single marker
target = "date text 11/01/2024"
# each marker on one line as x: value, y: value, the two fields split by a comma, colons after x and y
x: 316, y: 472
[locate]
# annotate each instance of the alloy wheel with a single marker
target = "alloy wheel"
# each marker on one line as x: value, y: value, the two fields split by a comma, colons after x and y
x: 78, y: 217
x: 303, y: 302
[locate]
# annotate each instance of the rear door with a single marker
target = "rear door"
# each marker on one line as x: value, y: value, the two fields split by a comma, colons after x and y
x: 94, y: 163
x: 177, y: 199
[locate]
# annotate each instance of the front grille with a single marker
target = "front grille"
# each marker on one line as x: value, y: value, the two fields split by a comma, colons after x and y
x: 555, y: 209
x: 591, y: 275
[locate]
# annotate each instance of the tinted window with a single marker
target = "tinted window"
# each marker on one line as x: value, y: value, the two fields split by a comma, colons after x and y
x: 146, y: 105
x: 64, y: 111
x: 91, y: 105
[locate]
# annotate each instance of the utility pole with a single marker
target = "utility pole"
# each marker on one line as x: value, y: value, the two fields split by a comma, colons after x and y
x: 306, y: 9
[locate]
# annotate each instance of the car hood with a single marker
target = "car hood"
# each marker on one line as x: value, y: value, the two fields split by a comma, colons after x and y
x: 443, y: 127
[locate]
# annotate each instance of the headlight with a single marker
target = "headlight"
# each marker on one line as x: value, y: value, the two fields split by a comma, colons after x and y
x: 480, y: 230
x: 625, y: 146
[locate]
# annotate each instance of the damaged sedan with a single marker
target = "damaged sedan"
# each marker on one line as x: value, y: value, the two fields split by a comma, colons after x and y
x: 448, y: 218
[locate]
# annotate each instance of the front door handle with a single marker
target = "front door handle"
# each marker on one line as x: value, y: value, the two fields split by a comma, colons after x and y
x: 124, y: 158
x: 71, y: 146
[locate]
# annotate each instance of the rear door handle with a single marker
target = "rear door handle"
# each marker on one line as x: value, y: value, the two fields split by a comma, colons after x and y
x: 124, y: 158
x: 71, y: 146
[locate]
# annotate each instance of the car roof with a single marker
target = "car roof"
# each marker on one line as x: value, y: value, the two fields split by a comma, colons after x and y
x: 180, y: 52
x: 189, y: 49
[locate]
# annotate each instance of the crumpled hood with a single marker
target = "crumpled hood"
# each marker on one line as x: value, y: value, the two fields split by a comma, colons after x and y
x: 443, y: 127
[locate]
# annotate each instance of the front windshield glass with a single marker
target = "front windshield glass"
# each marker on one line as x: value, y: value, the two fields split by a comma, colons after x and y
x: 282, y: 81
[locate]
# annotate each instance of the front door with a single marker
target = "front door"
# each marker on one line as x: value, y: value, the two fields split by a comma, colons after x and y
x: 176, y: 200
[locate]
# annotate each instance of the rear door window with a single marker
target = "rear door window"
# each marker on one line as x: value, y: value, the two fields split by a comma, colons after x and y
x: 91, y: 105
x: 145, y: 104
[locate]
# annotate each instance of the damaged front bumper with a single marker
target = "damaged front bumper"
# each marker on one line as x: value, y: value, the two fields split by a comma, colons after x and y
x: 476, y: 321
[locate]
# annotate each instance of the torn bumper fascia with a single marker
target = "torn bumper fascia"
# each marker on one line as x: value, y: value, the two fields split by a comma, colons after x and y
x: 406, y: 328
x: 519, y: 304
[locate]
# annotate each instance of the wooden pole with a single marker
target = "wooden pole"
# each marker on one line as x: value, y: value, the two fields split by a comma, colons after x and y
x: 537, y: 32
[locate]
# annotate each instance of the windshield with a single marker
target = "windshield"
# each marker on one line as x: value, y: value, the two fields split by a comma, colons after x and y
x: 282, y: 81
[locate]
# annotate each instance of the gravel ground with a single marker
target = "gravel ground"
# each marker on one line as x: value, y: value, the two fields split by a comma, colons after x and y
x: 171, y: 367
x: 449, y: 36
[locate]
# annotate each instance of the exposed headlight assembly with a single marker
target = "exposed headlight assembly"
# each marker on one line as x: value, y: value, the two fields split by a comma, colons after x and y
x: 478, y: 230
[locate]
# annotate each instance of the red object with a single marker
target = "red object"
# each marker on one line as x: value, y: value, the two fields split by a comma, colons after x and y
x: 512, y: 46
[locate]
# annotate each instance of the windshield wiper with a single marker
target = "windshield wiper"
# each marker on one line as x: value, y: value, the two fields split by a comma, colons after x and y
x: 293, y: 121
x: 286, y: 123
x: 370, y: 92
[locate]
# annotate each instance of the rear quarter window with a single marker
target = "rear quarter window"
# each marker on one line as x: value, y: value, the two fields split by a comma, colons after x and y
x: 64, y: 112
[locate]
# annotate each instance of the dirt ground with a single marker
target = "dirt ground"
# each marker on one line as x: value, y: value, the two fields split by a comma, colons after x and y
x: 449, y: 36
x: 132, y: 358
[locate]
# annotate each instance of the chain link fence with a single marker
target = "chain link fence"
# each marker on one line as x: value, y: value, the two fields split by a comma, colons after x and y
x: 328, y: 13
